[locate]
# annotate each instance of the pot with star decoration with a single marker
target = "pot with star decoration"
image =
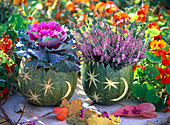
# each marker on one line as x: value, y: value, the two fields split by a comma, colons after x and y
x: 48, y: 71
x: 105, y: 86
x: 108, y: 53
x: 46, y: 87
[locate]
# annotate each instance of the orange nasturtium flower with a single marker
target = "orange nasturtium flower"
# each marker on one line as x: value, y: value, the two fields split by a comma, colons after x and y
x: 157, y: 44
x: 111, y: 7
x: 154, y: 25
x: 92, y: 6
x: 70, y: 6
x: 160, y: 17
x: 119, y: 18
x: 35, y: 21
x: 164, y: 75
x: 58, y: 15
x: 19, y: 2
x: 141, y: 16
x: 48, y: 3
x: 100, y: 7
x: 82, y: 1
x: 142, y: 12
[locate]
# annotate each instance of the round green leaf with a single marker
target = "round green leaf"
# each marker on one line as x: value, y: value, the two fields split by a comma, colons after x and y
x: 139, y: 90
x: 152, y: 71
x: 151, y: 96
x: 153, y: 58
x: 153, y: 32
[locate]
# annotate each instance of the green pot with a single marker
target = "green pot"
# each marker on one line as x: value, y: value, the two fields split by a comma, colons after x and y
x: 46, y: 87
x: 104, y: 85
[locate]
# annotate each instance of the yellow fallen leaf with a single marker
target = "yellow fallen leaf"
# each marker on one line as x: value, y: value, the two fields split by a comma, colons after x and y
x: 95, y: 120
x: 115, y: 120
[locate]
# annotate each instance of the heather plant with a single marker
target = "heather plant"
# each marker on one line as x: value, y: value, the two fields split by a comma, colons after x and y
x: 119, y: 47
x: 48, y: 45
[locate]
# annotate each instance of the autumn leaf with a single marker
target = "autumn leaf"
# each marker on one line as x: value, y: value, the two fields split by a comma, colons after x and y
x: 65, y: 103
x: 143, y: 109
x: 114, y: 120
x: 86, y: 114
x: 73, y: 111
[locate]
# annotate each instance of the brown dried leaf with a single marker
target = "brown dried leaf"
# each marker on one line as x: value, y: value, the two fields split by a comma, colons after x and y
x: 74, y: 108
x: 65, y: 103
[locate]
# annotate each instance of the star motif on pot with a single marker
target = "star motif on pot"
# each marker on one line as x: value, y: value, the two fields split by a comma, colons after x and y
x: 96, y: 97
x: 19, y: 84
x: 34, y: 97
x: 110, y: 83
x: 25, y: 76
x: 48, y: 86
x: 92, y: 78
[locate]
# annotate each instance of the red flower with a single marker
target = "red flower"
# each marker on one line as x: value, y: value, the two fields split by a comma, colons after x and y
x: 9, y: 69
x: 111, y: 7
x: 30, y: 17
x: 164, y: 75
x: 153, y: 25
x: 70, y: 6
x: 160, y: 17
x: 160, y: 73
x: 165, y: 56
x: 158, y: 37
x: 119, y: 18
x: 20, y: 2
x: 141, y: 15
x: 5, y: 44
x: 5, y: 92
x: 168, y: 101
x: 59, y: 16
x: 168, y: 12
x: 92, y: 6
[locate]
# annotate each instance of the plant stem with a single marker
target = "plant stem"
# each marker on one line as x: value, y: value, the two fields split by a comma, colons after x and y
x: 24, y: 107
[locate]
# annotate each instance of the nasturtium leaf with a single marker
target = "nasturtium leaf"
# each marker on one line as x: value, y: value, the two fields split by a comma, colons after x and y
x: 151, y: 96
x: 153, y: 58
x: 159, y: 105
x: 168, y: 88
x: 149, y: 86
x: 137, y: 1
x: 152, y: 71
x: 153, y: 32
x: 147, y: 110
x: 139, y: 90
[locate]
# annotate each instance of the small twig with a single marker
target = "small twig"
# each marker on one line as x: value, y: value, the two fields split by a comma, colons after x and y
x: 3, y: 122
x: 2, y: 116
x: 10, y: 89
x: 24, y: 107
x: 6, y: 116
